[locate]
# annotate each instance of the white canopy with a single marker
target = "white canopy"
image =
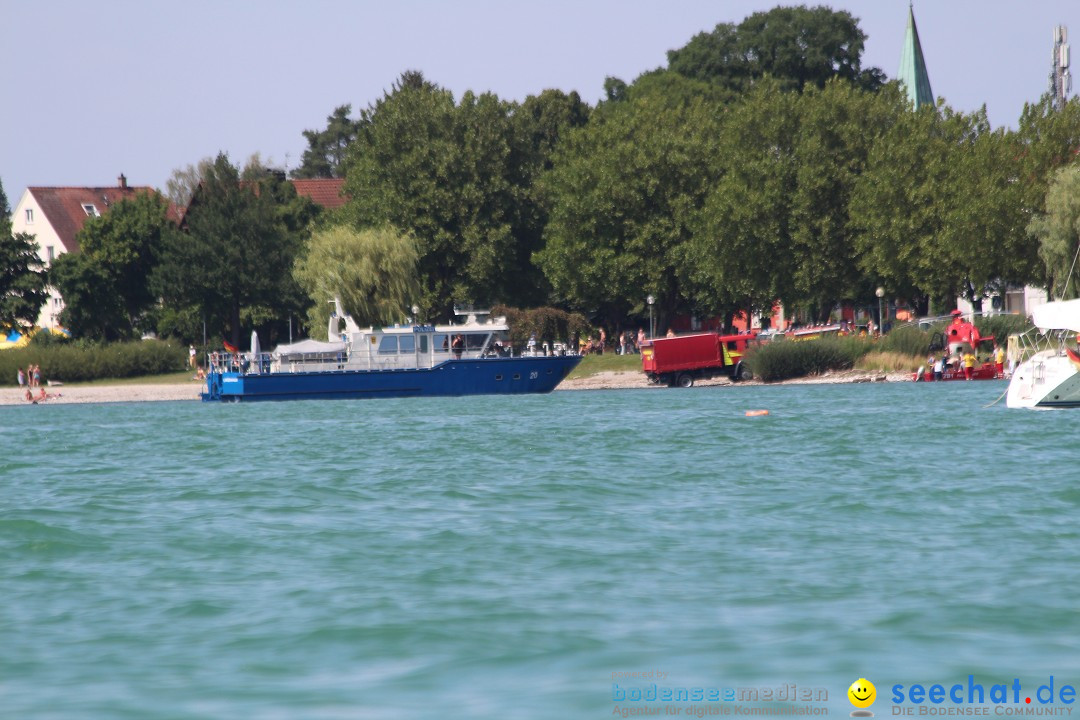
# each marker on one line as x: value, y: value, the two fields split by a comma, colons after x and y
x: 309, y: 347
x: 1062, y: 315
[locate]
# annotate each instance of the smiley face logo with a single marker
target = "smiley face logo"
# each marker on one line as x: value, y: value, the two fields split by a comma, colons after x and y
x: 862, y: 693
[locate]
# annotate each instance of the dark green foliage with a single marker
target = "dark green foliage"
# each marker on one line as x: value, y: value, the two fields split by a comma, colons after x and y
x: 548, y: 324
x: 106, y: 286
x: 624, y: 195
x: 22, y: 275
x: 235, y: 260
x: 72, y: 362
x: 784, y: 359
x: 459, y: 178
x: 906, y: 339
x: 798, y: 46
x: 325, y: 155
x: 23, y: 280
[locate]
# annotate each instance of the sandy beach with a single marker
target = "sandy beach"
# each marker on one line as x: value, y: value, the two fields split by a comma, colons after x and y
x: 73, y: 394
x: 76, y: 394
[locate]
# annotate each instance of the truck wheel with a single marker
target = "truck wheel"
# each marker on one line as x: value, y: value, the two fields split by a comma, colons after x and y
x: 745, y: 373
x: 653, y: 378
x: 686, y: 380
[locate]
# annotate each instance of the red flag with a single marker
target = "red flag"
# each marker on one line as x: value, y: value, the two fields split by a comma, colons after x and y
x: 229, y: 347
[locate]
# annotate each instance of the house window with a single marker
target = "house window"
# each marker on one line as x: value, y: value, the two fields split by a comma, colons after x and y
x: 29, y: 215
x: 90, y: 210
x: 51, y: 252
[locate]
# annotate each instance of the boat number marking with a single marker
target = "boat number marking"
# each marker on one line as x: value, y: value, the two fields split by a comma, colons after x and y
x: 533, y: 375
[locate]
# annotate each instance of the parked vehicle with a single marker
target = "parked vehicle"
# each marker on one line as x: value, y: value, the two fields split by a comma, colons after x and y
x: 683, y: 359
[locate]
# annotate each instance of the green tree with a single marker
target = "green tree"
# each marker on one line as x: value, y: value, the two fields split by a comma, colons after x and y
x: 233, y: 263
x: 1058, y: 232
x: 742, y: 254
x: 92, y: 308
x: 326, y: 151
x: 1050, y: 140
x: 984, y: 240
x: 837, y: 129
x: 105, y: 285
x: 623, y: 194
x: 458, y: 177
x: 373, y: 273
x: 898, y: 206
x: 182, y: 184
x: 798, y: 46
x: 940, y: 208
x: 23, y: 278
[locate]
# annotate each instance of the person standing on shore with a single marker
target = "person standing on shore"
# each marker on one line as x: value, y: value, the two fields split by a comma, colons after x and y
x: 191, y: 357
x: 22, y: 378
x: 37, y: 376
x: 969, y: 364
x: 939, y: 367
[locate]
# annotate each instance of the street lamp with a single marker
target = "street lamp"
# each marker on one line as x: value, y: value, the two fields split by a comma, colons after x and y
x: 415, y: 313
x: 880, y: 292
x: 652, y: 328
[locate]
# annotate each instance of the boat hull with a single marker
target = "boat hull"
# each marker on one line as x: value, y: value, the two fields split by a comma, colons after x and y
x: 488, y: 376
x: 1046, y: 380
x: 985, y: 371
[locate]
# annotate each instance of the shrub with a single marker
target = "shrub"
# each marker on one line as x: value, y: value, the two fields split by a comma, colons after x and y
x: 784, y: 359
x: 71, y: 362
x: 547, y: 323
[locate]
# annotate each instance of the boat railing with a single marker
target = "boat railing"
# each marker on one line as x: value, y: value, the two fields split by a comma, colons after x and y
x: 265, y: 363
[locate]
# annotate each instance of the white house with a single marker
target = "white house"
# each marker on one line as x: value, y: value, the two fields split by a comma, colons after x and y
x: 54, y: 215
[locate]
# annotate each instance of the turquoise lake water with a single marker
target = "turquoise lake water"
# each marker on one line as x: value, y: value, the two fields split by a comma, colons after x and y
x: 515, y: 557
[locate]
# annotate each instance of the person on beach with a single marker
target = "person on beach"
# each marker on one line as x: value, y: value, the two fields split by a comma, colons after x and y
x: 22, y: 378
x: 37, y: 376
x: 939, y: 367
x: 191, y: 357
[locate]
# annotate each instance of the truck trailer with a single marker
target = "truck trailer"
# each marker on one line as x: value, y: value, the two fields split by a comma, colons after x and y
x: 681, y: 360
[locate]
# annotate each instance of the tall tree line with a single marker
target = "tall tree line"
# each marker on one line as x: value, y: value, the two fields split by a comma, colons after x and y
x: 762, y: 164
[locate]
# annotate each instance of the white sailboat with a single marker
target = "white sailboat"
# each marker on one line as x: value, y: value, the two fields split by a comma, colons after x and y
x: 1050, y: 376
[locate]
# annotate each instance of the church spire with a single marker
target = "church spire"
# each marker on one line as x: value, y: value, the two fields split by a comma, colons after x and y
x: 913, y: 67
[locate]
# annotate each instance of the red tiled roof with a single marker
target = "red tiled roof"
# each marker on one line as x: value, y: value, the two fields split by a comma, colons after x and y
x: 322, y: 191
x: 63, y: 206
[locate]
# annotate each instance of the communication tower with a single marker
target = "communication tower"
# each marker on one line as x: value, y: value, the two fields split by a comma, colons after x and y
x: 1060, y: 78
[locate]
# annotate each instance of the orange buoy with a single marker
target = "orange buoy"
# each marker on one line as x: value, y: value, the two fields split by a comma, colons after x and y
x: 756, y: 413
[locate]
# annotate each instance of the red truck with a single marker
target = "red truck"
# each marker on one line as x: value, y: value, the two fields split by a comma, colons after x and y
x: 683, y: 359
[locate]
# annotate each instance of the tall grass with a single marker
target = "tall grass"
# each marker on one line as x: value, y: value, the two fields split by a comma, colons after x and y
x: 784, y: 359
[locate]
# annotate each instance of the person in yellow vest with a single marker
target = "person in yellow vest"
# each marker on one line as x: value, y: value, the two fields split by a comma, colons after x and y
x: 969, y: 364
x: 999, y: 361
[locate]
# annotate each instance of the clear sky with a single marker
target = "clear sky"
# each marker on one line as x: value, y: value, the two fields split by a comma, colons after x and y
x: 145, y: 86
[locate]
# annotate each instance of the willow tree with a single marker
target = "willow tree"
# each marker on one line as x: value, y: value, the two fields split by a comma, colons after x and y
x: 1058, y: 231
x: 373, y: 272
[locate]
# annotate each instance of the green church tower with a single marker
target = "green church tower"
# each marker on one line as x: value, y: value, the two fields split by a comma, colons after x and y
x: 913, y: 66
